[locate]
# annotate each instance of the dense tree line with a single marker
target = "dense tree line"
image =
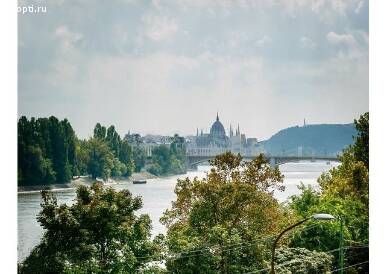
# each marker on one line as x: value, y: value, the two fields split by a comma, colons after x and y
x: 46, y: 151
x: 50, y: 152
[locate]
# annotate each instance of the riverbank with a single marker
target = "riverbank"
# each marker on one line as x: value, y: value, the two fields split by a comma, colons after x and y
x: 87, y: 181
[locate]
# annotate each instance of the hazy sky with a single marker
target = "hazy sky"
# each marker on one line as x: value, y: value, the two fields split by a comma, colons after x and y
x: 169, y: 66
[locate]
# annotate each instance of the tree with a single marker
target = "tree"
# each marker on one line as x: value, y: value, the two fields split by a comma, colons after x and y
x: 99, y: 132
x: 139, y: 158
x: 161, y: 160
x: 361, y: 148
x: 59, y: 150
x: 344, y: 192
x: 99, y: 233
x: 119, y: 169
x: 54, y: 141
x: 126, y: 157
x: 302, y: 261
x: 81, y: 157
x: 100, y: 159
x: 169, y: 160
x: 232, y: 206
x: 113, y: 140
x: 39, y: 170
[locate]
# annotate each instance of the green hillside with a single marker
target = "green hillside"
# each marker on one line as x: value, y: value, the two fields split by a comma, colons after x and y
x: 323, y: 139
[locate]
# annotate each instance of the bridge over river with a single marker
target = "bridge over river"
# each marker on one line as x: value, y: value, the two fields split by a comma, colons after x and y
x: 194, y: 161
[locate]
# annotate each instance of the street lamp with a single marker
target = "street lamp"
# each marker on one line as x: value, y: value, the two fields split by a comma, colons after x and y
x: 317, y: 217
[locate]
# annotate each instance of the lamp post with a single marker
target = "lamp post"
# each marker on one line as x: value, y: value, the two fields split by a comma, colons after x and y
x: 317, y: 217
x: 341, y: 252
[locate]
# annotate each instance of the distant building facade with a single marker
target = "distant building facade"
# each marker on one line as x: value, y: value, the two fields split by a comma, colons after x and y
x: 217, y: 142
x: 148, y: 142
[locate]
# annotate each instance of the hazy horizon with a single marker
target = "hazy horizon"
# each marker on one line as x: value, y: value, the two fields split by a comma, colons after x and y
x: 168, y: 67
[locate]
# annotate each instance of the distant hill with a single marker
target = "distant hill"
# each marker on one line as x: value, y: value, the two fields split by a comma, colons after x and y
x: 324, y: 139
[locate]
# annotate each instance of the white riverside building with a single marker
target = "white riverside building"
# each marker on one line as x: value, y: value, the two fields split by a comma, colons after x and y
x: 217, y: 142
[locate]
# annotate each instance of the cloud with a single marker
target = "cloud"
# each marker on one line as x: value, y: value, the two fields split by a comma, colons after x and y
x: 68, y: 38
x: 265, y: 40
x: 306, y: 42
x: 149, y: 66
x: 359, y: 7
x: 337, y: 39
x: 158, y: 28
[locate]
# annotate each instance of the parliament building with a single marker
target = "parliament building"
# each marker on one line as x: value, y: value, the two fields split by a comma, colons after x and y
x: 217, y: 142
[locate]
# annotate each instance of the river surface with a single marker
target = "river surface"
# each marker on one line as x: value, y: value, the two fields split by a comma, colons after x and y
x: 157, y: 195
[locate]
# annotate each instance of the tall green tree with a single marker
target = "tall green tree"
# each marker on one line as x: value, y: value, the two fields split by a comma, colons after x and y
x: 59, y: 148
x: 99, y: 131
x: 81, y: 157
x: 99, y: 233
x: 139, y: 158
x: 101, y: 159
x: 361, y: 147
x: 113, y: 140
x: 54, y: 141
x: 126, y: 157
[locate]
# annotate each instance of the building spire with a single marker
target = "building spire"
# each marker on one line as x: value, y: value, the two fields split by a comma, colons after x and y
x: 231, y: 133
x: 197, y: 132
x: 238, y: 131
x: 217, y: 116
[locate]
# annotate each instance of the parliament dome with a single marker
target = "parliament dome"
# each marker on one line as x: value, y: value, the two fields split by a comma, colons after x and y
x: 217, y: 129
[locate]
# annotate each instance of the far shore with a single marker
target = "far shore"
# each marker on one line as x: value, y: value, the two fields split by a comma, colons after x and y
x: 85, y: 180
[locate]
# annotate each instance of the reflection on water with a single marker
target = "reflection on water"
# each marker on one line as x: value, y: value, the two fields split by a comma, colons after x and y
x: 157, y: 195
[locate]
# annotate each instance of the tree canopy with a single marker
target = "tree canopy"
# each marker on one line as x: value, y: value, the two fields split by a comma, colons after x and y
x: 99, y: 233
x: 344, y: 193
x: 49, y: 152
x: 234, y: 204
x: 46, y: 151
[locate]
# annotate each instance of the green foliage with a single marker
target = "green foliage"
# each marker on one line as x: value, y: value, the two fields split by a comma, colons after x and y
x: 139, y: 158
x: 99, y: 233
x: 361, y: 141
x: 302, y: 261
x: 99, y: 132
x: 126, y: 157
x: 101, y: 159
x: 169, y: 160
x: 49, y: 152
x: 113, y: 140
x: 81, y: 158
x: 233, y: 205
x: 38, y: 169
x: 344, y: 192
x: 51, y: 146
x: 161, y: 160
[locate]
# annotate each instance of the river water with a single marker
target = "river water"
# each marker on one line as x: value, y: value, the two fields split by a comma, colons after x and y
x: 157, y: 195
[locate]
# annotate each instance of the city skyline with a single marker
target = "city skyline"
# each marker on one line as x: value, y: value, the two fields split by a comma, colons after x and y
x: 165, y: 68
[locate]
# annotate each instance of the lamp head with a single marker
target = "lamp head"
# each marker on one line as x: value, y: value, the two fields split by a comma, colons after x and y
x: 323, y: 217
